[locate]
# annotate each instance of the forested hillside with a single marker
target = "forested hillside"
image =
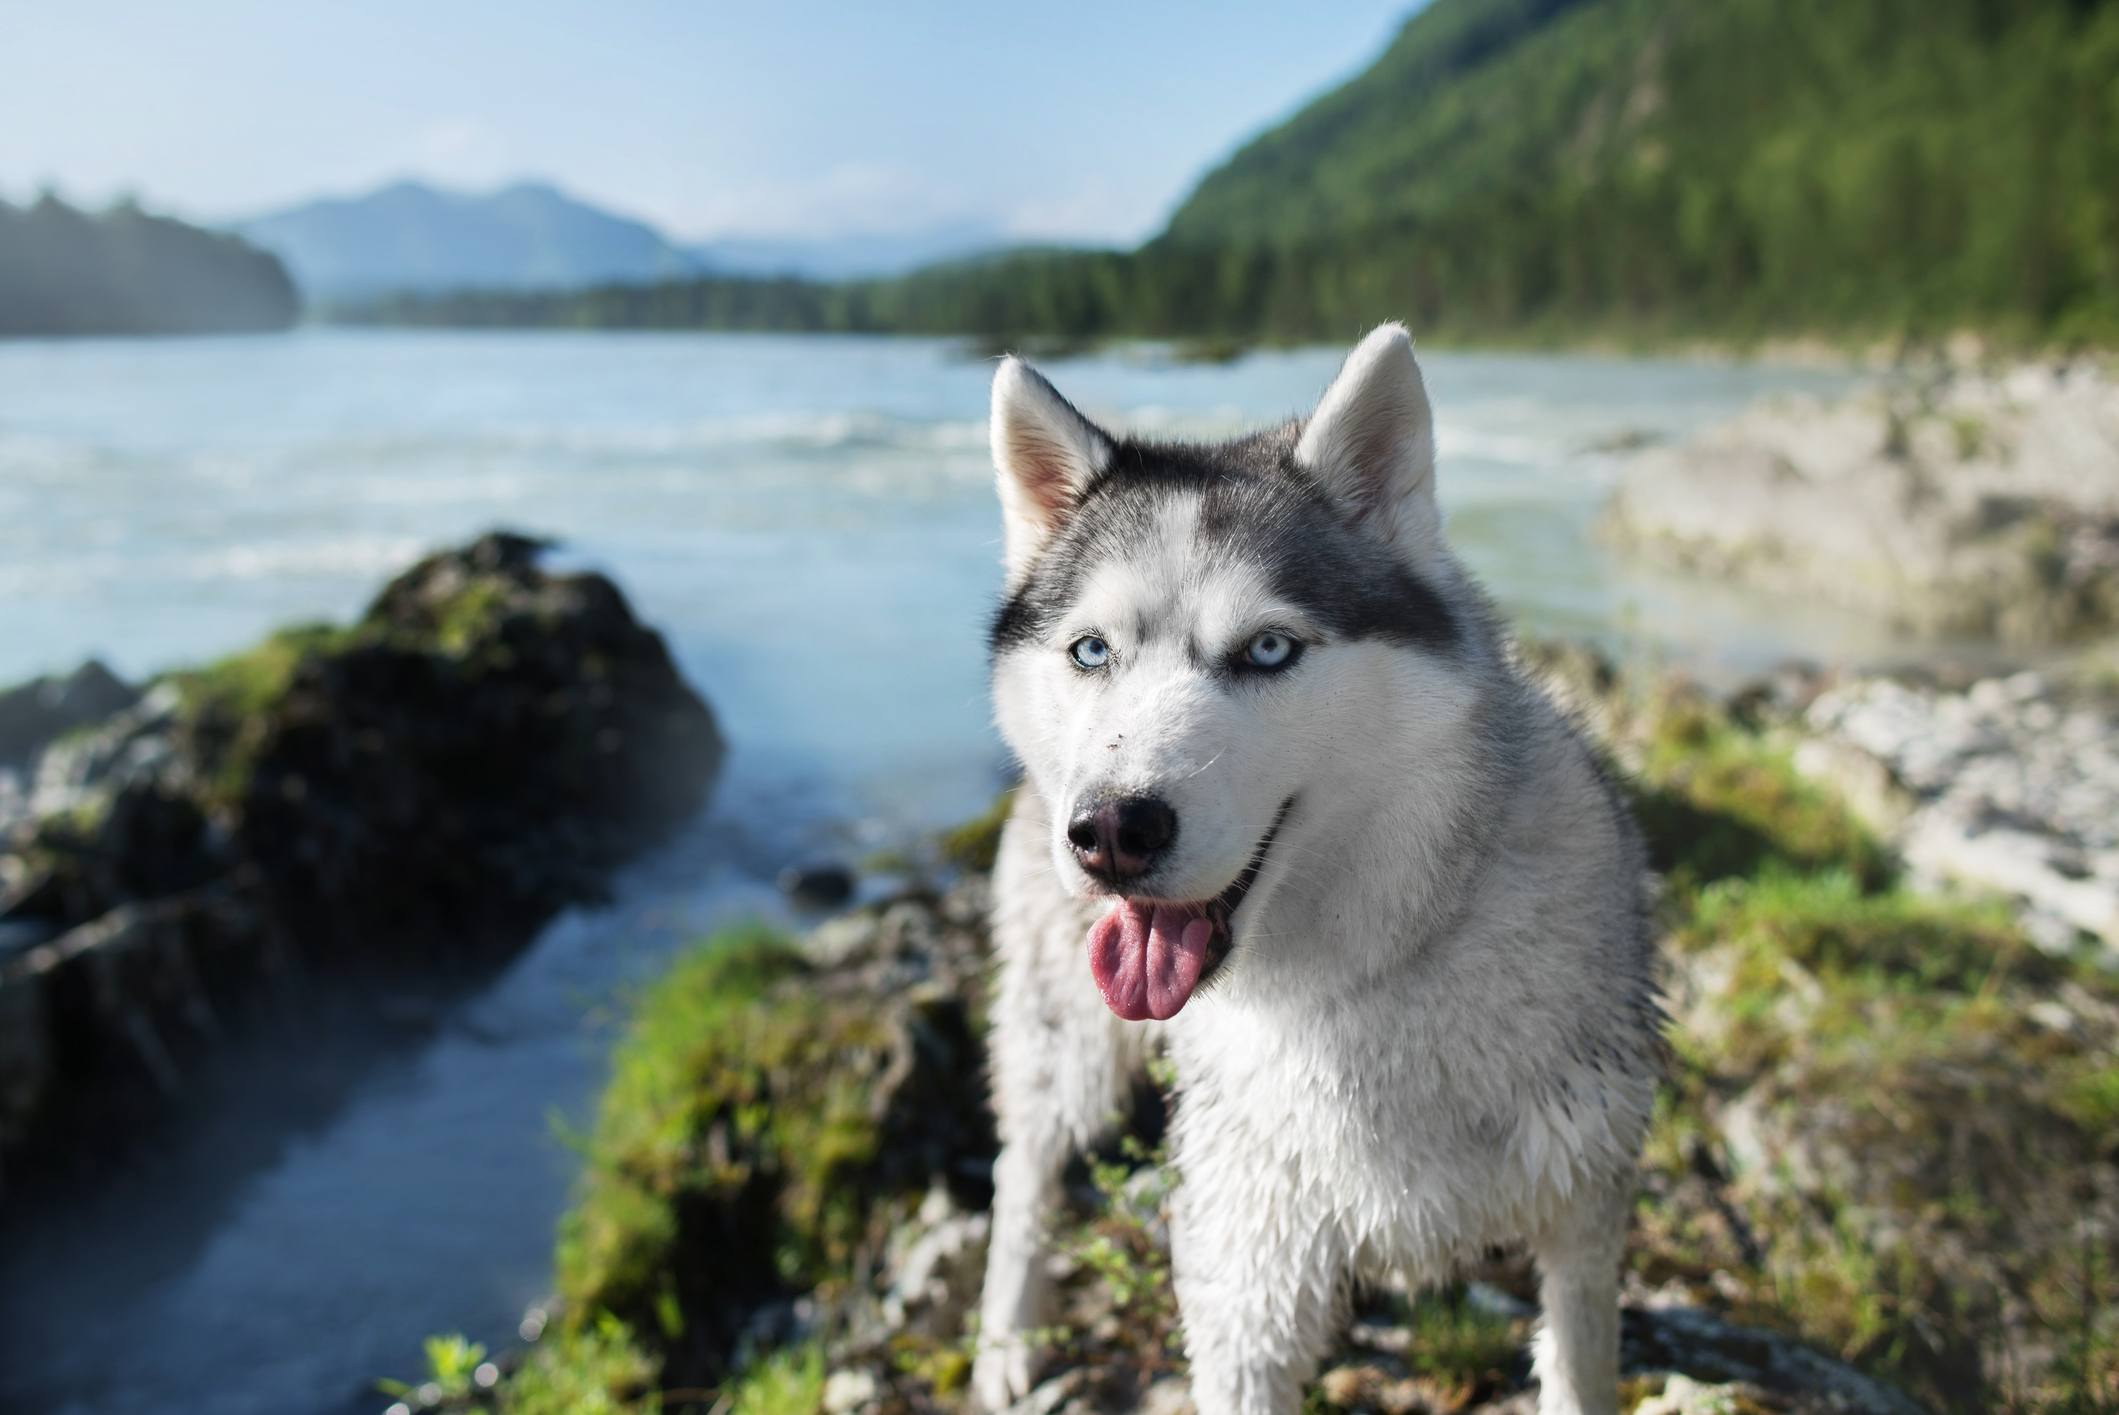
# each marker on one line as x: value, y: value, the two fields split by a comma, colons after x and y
x: 1594, y: 167
x: 1755, y: 163
x: 64, y: 271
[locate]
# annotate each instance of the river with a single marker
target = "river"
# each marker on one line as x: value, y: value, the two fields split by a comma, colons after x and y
x: 810, y: 521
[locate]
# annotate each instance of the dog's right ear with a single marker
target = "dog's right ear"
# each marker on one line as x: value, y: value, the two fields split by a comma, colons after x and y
x: 1045, y: 453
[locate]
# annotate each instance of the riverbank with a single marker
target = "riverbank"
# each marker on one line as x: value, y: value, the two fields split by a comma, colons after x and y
x: 409, y: 795
x: 1947, y: 502
x: 1882, y: 1176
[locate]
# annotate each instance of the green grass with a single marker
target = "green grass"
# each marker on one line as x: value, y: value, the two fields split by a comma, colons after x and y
x: 789, y: 1382
x: 1716, y: 801
x: 725, y: 1085
x: 1918, y: 1146
x: 1459, y: 1344
x: 594, y: 1368
x: 1826, y: 922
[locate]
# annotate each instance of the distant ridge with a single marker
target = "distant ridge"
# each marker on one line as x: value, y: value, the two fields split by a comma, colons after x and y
x: 125, y: 271
x: 409, y: 236
x: 849, y: 257
x: 1557, y: 170
x: 531, y: 237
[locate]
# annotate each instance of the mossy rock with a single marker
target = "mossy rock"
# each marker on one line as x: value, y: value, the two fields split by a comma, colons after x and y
x: 766, y: 1124
x: 1892, y: 1132
x: 478, y: 750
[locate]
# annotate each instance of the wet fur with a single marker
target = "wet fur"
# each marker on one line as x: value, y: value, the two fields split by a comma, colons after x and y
x: 1437, y: 1029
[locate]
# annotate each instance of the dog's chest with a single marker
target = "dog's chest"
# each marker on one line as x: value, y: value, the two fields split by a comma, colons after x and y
x: 1397, y: 1155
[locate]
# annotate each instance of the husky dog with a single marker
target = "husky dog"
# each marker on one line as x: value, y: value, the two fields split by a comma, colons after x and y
x: 1290, y: 812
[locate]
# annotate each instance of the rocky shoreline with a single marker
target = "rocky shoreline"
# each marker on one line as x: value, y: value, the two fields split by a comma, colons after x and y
x: 414, y: 792
x: 2007, y: 784
x: 1883, y: 1175
x: 1955, y: 503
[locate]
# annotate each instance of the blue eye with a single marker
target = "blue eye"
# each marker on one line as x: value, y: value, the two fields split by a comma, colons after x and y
x: 1270, y: 650
x: 1089, y: 652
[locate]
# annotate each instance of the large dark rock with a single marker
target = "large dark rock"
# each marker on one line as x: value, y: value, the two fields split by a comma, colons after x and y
x: 423, y: 787
x: 34, y: 713
x: 489, y: 744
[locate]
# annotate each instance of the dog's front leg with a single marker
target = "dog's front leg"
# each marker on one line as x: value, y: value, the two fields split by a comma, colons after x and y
x: 1260, y: 1289
x: 1060, y: 1064
x: 1576, y: 1353
x: 1017, y: 1295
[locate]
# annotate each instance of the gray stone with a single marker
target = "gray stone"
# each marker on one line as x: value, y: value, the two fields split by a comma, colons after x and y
x: 822, y: 886
x: 34, y: 713
x: 850, y: 1390
x: 2011, y: 785
x: 1965, y: 505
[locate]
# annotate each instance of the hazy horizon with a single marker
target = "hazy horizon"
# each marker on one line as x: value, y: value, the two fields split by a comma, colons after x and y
x: 679, y: 117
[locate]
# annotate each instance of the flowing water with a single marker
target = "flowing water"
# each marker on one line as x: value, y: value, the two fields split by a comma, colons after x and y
x: 810, y: 521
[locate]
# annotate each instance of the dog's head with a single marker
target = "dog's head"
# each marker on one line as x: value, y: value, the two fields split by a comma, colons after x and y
x: 1212, y: 655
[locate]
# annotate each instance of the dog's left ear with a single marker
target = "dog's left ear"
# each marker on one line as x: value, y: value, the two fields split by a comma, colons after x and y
x: 1371, y: 442
x: 1045, y: 453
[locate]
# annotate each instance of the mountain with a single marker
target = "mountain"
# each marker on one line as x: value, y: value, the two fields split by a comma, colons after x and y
x: 412, y: 237
x: 849, y: 257
x: 65, y: 271
x: 1750, y: 164
x: 1562, y: 169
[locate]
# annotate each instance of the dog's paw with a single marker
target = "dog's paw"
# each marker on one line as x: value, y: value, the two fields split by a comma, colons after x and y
x: 1001, y: 1376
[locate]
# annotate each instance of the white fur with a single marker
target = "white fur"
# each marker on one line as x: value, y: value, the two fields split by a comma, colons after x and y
x: 1044, y: 453
x: 1389, y: 1073
x: 1372, y: 438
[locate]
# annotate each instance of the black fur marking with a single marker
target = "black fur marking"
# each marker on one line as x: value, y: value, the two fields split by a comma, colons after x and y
x: 1257, y: 507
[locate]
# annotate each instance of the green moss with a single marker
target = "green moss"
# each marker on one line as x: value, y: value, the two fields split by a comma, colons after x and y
x: 1716, y: 801
x: 974, y: 845
x: 1968, y: 435
x: 249, y: 683
x: 1906, y: 1181
x: 246, y: 684
x: 226, y: 707
x: 730, y: 1094
x: 1920, y: 1145
x: 1460, y: 1344
x: 2090, y: 1096
x: 943, y: 1367
x: 472, y: 617
x: 1826, y: 923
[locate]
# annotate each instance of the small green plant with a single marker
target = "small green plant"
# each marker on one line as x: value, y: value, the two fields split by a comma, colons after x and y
x: 596, y: 1369
x: 453, y: 1362
x: 1120, y: 1248
x: 787, y: 1382
x: 1968, y: 434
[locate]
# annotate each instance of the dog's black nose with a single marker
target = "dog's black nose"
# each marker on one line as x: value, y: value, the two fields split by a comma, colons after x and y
x: 1119, y: 838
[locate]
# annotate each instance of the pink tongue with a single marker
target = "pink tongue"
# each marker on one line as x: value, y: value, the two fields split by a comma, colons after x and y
x: 1147, y: 957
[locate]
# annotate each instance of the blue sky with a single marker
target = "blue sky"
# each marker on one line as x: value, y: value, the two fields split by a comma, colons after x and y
x: 1079, y: 121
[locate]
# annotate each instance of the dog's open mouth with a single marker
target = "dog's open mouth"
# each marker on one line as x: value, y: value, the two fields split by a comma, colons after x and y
x: 1150, y: 955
